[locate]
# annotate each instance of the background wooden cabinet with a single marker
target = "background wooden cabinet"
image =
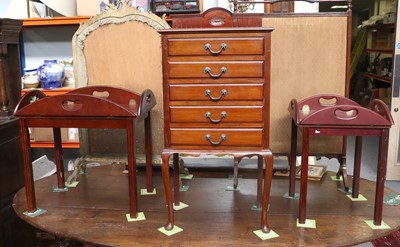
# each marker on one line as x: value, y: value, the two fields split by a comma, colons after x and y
x: 175, y: 6
x: 13, y: 230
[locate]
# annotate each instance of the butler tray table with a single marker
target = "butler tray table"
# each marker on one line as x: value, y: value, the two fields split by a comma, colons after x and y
x: 86, y: 107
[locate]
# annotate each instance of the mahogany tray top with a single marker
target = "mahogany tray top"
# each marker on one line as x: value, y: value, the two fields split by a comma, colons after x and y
x: 335, y: 110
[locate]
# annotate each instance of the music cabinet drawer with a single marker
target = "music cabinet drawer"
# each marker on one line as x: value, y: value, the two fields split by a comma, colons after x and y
x: 229, y: 114
x: 215, y: 70
x: 217, y: 137
x: 216, y: 46
x: 210, y: 92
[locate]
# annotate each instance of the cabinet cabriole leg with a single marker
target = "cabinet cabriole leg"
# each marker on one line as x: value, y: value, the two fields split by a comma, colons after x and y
x: 260, y: 163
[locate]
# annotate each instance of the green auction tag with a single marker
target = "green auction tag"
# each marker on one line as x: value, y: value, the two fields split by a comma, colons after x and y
x: 392, y: 199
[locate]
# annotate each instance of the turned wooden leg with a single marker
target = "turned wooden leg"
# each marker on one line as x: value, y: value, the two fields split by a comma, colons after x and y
x: 168, y: 193
x: 292, y: 161
x: 269, y: 162
x: 304, y: 177
x: 380, y: 176
x: 58, y: 158
x: 28, y: 170
x: 132, y: 170
x: 148, y: 144
x: 357, y: 167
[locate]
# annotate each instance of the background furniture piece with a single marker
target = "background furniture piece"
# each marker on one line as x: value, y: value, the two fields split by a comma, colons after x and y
x: 216, y: 96
x: 335, y: 115
x: 13, y: 231
x: 380, y: 50
x: 10, y: 71
x: 167, y: 7
x: 48, y: 38
x: 87, y: 107
x: 373, y: 63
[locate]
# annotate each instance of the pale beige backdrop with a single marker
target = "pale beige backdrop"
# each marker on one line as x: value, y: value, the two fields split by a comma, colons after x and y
x: 120, y: 49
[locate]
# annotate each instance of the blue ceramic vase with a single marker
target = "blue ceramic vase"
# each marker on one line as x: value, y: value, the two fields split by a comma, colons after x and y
x: 51, y: 74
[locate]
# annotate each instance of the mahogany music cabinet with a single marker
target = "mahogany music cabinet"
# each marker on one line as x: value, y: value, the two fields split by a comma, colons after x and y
x: 216, y: 87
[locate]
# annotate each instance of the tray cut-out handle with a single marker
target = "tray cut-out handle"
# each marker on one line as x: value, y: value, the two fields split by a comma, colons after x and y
x: 72, y: 105
x: 132, y: 104
x: 102, y: 95
x: 328, y: 101
x: 346, y: 113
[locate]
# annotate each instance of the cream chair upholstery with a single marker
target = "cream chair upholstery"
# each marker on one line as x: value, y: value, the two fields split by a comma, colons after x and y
x: 120, y: 47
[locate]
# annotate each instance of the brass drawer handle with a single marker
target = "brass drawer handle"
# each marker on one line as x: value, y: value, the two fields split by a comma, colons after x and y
x: 221, y: 139
x: 208, y: 93
x: 207, y: 47
x: 223, y: 115
x: 207, y: 70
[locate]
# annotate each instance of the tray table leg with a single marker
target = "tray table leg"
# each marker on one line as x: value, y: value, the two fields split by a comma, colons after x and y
x: 304, y: 176
x: 131, y: 170
x: 167, y: 186
x: 269, y: 163
x: 148, y: 144
x: 58, y: 158
x: 357, y: 167
x: 292, y: 161
x: 380, y: 177
x: 28, y: 170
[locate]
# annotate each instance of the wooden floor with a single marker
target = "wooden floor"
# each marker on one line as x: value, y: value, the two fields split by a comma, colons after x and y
x: 94, y: 212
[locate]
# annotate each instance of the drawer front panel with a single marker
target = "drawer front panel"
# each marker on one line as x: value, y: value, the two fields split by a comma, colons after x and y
x: 215, y: 114
x: 216, y: 93
x: 217, y: 137
x: 216, y: 70
x: 217, y: 46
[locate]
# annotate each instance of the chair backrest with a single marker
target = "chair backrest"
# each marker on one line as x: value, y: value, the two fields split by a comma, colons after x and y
x: 120, y: 48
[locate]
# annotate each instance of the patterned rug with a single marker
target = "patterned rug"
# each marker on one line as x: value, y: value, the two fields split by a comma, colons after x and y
x: 389, y: 240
